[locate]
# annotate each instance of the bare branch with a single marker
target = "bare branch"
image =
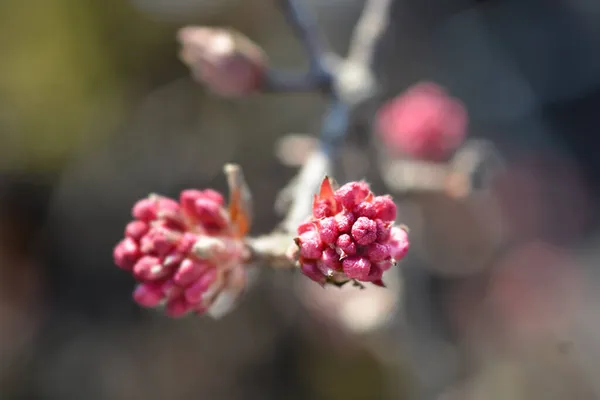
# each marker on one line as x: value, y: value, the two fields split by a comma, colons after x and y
x: 370, y: 28
x: 272, y: 250
x: 287, y: 82
x: 307, y: 184
x: 305, y: 26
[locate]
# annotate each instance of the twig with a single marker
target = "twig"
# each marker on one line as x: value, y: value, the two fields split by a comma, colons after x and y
x: 290, y: 82
x: 307, y: 184
x: 305, y: 26
x: 368, y: 32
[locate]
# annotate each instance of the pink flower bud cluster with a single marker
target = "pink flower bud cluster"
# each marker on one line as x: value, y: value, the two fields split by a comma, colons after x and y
x: 183, y: 253
x: 226, y: 61
x: 424, y: 122
x: 350, y: 236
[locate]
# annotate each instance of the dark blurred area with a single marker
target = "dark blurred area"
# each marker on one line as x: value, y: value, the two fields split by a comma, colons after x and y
x: 96, y: 111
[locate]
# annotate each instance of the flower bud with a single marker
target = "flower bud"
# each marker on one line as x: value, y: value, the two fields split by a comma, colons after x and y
x: 353, y: 240
x: 182, y: 252
x: 226, y: 61
x: 424, y: 122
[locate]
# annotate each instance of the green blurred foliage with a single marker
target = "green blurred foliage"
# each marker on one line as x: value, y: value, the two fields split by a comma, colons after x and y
x: 64, y: 73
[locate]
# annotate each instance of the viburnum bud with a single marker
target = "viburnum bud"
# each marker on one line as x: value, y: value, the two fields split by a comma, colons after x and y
x: 350, y: 236
x: 424, y: 122
x: 189, y: 254
x: 226, y: 61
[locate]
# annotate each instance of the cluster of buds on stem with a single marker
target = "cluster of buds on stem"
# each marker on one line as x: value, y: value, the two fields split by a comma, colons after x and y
x: 350, y: 236
x: 188, y: 255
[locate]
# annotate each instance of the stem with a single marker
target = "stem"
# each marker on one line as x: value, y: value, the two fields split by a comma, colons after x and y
x: 305, y: 26
x: 272, y: 250
x: 368, y: 32
x: 290, y: 82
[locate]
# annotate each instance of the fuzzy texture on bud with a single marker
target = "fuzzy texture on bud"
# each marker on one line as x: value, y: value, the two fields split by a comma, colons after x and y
x: 350, y: 236
x: 226, y: 61
x: 185, y: 254
x: 424, y: 122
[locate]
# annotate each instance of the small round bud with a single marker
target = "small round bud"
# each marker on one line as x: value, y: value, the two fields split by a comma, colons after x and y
x: 356, y: 267
x: 364, y: 231
x: 227, y: 62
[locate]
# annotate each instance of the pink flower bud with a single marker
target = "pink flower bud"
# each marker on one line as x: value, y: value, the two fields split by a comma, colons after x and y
x: 177, y: 308
x: 224, y: 60
x: 378, y: 252
x: 384, y: 231
x: 331, y: 259
x: 194, y: 294
x: 349, y: 236
x: 306, y: 226
x: 311, y: 270
x: 144, y: 210
x: 328, y: 230
x: 186, y: 242
x: 423, y: 122
x: 356, y: 267
x: 210, y: 213
x: 149, y: 268
x: 364, y: 231
x: 322, y: 209
x: 189, y: 271
x: 351, y: 194
x: 187, y: 199
x: 148, y: 295
x: 365, y: 209
x: 384, y: 265
x: 173, y: 259
x: 398, y: 243
x: 310, y: 245
x: 126, y: 254
x: 346, y: 244
x: 157, y: 242
x: 136, y: 229
x: 345, y: 220
x: 385, y: 208
x: 214, y: 196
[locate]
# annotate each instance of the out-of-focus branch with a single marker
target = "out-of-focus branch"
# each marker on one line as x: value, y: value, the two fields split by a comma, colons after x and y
x: 289, y: 82
x: 353, y: 83
x: 369, y: 30
x: 305, y: 186
x: 305, y: 26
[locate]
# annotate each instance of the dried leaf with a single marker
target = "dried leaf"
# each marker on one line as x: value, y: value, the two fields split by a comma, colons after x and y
x: 240, y: 202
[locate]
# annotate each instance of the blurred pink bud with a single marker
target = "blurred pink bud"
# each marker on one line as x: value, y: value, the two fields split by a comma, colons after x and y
x: 148, y: 295
x: 126, y: 253
x: 398, y: 243
x: 226, y: 61
x: 423, y: 122
x: 136, y: 229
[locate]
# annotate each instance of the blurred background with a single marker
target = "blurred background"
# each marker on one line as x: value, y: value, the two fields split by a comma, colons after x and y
x: 497, y: 299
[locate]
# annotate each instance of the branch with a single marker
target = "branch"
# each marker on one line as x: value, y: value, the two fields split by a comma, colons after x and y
x: 305, y: 26
x: 306, y: 185
x: 294, y: 82
x: 369, y: 30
